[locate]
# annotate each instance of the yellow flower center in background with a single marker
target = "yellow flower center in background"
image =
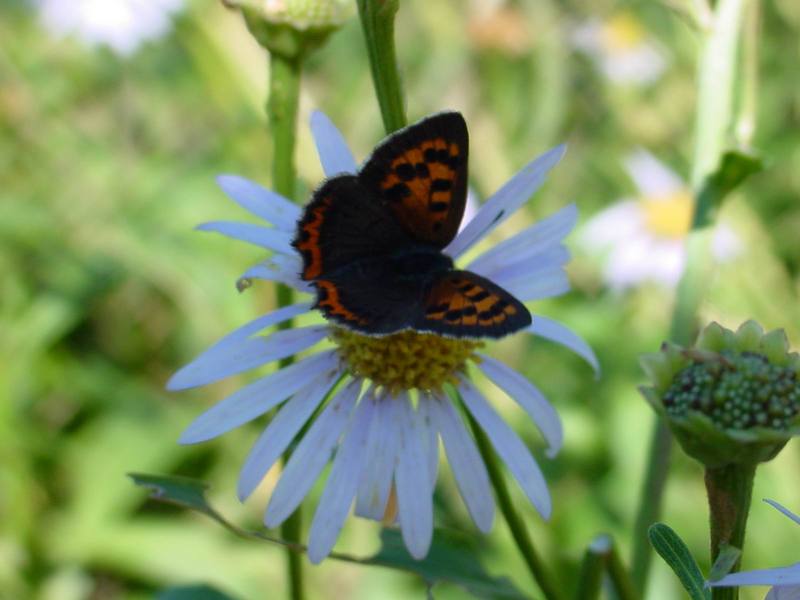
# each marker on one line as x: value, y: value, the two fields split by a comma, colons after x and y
x: 669, y: 216
x: 406, y: 360
x: 622, y: 32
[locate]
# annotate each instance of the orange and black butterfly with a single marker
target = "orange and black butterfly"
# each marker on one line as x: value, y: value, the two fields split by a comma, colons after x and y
x: 372, y: 243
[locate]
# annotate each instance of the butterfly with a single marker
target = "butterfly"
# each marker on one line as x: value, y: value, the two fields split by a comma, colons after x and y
x: 372, y: 242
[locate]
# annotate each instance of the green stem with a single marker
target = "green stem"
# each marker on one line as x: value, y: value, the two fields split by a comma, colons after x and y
x: 716, y: 83
x: 377, y: 21
x: 590, y: 578
x: 602, y: 558
x: 716, y: 86
x: 284, y: 96
x: 515, y: 522
x: 282, y: 105
x: 621, y: 581
x: 730, y: 490
x: 651, y: 498
x: 746, y: 121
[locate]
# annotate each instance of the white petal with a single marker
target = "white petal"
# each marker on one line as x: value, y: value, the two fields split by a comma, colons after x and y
x: 266, y: 237
x: 529, y: 398
x: 216, y: 364
x: 280, y: 267
x: 548, y: 284
x: 274, y: 440
x: 376, y: 480
x: 505, y: 201
x: 193, y: 375
x: 784, y: 593
x: 430, y: 442
x: 783, y: 576
x: 510, y: 448
x: 341, y: 486
x: 532, y: 241
x: 333, y: 152
x: 260, y: 396
x: 466, y: 463
x: 613, y: 225
x: 525, y: 266
x: 260, y: 201
x: 561, y: 334
x: 311, y: 455
x: 653, y: 178
x: 414, y: 495
x: 783, y: 509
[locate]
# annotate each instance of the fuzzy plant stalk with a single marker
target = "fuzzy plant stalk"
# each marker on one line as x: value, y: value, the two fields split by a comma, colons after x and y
x: 716, y: 85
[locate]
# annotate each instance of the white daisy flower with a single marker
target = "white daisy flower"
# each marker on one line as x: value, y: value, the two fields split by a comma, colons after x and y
x: 621, y: 49
x: 382, y: 400
x: 643, y: 238
x: 785, y: 581
x: 121, y: 24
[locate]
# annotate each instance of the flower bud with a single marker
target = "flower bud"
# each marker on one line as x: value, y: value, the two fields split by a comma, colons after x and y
x: 733, y: 398
x: 293, y: 27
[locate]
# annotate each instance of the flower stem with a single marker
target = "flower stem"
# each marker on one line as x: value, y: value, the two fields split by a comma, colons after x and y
x: 515, y: 522
x: 746, y: 120
x: 600, y: 558
x: 377, y: 20
x: 282, y: 104
x: 729, y: 490
x: 652, y: 494
x: 716, y: 85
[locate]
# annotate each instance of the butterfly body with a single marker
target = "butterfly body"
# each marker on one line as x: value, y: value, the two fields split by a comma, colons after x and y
x: 372, y: 243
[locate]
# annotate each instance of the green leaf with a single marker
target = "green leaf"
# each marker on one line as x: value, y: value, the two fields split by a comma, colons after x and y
x: 675, y: 553
x: 728, y: 556
x: 734, y: 168
x: 193, y: 592
x: 451, y: 558
x: 181, y: 491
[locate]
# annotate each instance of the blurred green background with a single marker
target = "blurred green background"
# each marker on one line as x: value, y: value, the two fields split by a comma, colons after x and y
x: 107, y: 162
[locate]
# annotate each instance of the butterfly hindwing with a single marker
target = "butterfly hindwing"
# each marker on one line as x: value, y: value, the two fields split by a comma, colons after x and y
x: 420, y: 173
x: 370, y: 297
x: 463, y: 304
x: 342, y: 224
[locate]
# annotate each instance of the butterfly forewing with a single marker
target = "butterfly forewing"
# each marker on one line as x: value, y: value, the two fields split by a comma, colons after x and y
x: 463, y: 304
x: 420, y: 173
x: 343, y: 224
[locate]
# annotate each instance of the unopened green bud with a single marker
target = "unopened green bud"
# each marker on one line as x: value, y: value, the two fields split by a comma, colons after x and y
x: 733, y: 398
x: 292, y: 28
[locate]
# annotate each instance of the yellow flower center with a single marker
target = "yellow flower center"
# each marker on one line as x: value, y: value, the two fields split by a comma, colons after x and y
x: 669, y: 216
x: 406, y: 360
x: 622, y: 32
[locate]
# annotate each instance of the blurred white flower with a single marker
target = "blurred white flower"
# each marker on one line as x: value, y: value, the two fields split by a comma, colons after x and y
x: 120, y: 24
x: 620, y: 48
x: 643, y: 238
x: 785, y: 581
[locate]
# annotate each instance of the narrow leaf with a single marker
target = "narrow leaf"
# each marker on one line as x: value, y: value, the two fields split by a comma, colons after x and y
x: 733, y: 169
x: 675, y: 553
x: 192, y: 592
x: 450, y: 558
